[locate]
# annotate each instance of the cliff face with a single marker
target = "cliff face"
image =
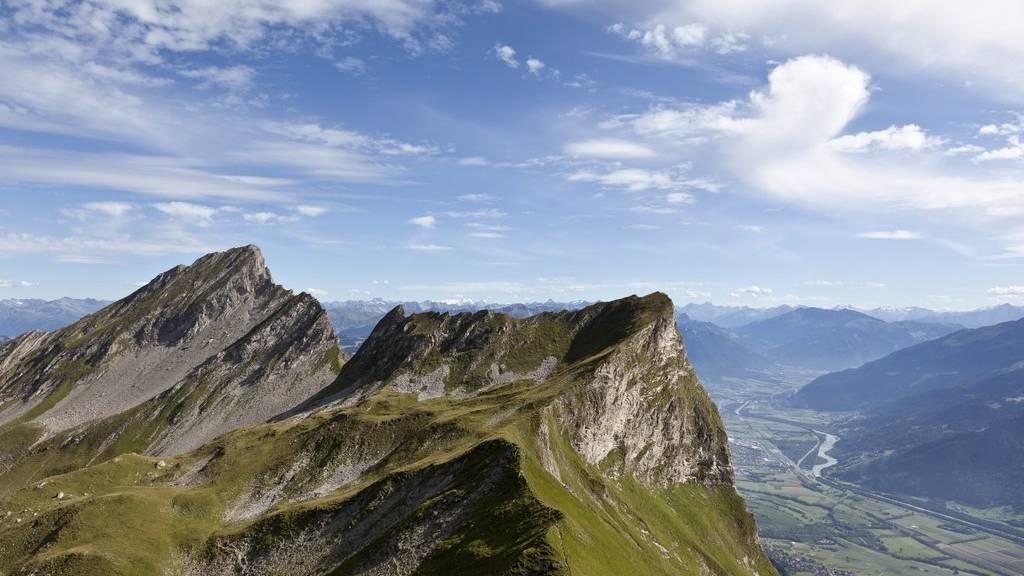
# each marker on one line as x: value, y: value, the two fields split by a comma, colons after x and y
x: 565, y: 443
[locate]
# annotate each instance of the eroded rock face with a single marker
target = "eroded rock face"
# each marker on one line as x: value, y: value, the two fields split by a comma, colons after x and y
x: 211, y: 347
x: 628, y: 398
x: 644, y: 413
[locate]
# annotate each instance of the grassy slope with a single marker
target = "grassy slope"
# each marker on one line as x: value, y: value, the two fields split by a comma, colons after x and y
x: 606, y: 527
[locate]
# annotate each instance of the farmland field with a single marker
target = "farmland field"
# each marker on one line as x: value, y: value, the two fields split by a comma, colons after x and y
x: 819, y: 526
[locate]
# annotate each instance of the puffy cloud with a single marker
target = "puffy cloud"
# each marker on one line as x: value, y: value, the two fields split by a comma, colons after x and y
x: 535, y: 66
x: 787, y: 141
x: 423, y: 221
x: 667, y: 42
x: 609, y: 148
x: 890, y: 235
x: 506, y: 54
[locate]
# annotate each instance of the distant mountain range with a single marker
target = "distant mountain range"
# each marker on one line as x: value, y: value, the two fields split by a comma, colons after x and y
x: 943, y: 419
x: 724, y: 341
x: 21, y: 315
x: 820, y: 339
x: 731, y: 316
x: 736, y: 316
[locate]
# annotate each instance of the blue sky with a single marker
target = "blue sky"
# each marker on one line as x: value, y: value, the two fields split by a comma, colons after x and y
x: 751, y: 152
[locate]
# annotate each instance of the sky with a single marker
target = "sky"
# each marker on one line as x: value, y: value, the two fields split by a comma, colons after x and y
x: 740, y: 152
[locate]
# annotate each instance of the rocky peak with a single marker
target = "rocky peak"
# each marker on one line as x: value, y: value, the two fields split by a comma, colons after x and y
x: 142, y: 345
x: 625, y: 393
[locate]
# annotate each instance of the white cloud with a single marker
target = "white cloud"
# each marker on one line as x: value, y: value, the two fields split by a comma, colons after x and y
x: 786, y: 141
x: 665, y: 41
x: 506, y: 54
x: 1004, y: 129
x: 752, y: 292
x: 1014, y: 150
x: 316, y: 292
x: 486, y: 235
x: 48, y: 95
x: 424, y: 221
x: 188, y: 212
x: 730, y: 43
x: 632, y: 179
x: 890, y: 235
x: 534, y: 66
x: 909, y: 137
x: 142, y: 29
x: 977, y: 42
x: 1007, y: 292
x: 608, y: 148
x: 429, y: 248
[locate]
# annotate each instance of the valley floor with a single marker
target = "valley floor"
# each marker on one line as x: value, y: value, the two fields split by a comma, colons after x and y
x: 814, y: 525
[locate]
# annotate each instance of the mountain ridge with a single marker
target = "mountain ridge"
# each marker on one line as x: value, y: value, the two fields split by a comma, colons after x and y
x: 470, y: 443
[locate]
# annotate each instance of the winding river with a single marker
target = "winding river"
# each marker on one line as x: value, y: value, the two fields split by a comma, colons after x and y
x: 823, y: 448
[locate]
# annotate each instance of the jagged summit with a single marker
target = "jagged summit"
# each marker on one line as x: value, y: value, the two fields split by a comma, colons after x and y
x: 138, y: 349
